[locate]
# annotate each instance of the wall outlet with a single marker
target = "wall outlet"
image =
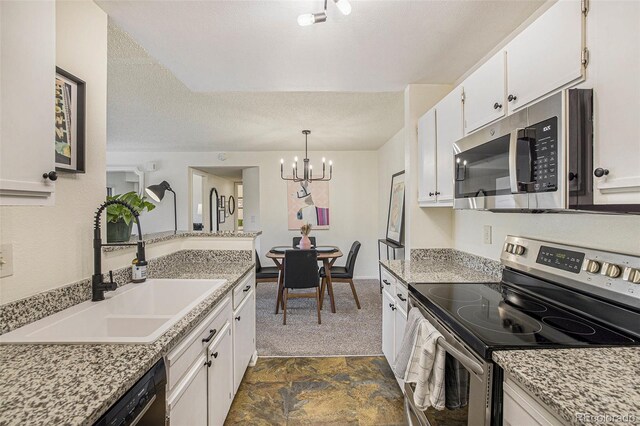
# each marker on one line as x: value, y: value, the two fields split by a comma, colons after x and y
x: 486, y: 234
x: 6, y: 260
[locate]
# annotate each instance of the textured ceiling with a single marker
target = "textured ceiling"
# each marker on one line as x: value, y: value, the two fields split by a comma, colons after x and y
x: 149, y: 109
x: 258, y: 46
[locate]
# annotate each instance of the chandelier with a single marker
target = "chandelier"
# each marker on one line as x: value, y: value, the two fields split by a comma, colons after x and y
x: 307, y: 169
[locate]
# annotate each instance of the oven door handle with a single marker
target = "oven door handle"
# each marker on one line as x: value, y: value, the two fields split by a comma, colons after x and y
x: 468, y: 362
x: 513, y: 161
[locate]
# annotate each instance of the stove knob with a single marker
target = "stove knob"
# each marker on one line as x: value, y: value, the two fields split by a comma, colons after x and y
x: 509, y: 248
x: 632, y: 275
x: 518, y: 250
x: 611, y: 270
x: 592, y: 266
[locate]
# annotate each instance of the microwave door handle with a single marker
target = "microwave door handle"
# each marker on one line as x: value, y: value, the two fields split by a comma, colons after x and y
x: 513, y: 161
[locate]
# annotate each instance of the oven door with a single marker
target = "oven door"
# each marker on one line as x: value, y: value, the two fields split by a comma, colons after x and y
x: 468, y: 384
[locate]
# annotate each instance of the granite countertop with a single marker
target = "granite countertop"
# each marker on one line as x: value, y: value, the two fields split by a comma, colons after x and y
x: 577, y: 383
x: 76, y: 384
x: 170, y: 235
x: 436, y: 271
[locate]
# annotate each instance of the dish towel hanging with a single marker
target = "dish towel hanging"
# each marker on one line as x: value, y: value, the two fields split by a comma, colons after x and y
x: 408, y: 341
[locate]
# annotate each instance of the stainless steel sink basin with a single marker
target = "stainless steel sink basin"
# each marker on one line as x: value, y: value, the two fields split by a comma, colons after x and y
x: 134, y: 314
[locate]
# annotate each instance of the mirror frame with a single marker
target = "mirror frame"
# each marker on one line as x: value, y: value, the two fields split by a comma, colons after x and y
x: 130, y: 169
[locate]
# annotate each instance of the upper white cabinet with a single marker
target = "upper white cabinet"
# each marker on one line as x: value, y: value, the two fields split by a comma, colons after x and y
x: 547, y: 55
x: 448, y: 130
x: 613, y: 38
x: 27, y: 76
x: 484, y: 94
x: 427, y: 158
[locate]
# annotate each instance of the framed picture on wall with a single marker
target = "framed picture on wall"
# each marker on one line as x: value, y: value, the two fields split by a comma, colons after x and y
x: 222, y: 214
x: 70, y: 113
x: 240, y: 202
x: 222, y: 204
x: 395, y: 219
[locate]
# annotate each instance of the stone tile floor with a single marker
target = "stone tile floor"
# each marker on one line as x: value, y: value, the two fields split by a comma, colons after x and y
x: 318, y: 391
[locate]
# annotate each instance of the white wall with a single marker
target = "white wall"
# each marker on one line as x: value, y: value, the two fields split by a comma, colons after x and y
x: 52, y: 245
x: 353, y: 195
x: 390, y: 161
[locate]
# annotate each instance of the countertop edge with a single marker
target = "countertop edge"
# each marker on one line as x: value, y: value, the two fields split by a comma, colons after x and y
x: 168, y: 236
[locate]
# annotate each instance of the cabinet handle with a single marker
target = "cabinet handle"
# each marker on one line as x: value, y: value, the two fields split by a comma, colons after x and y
x: 238, y: 318
x: 215, y: 355
x: 437, y: 193
x: 208, y: 363
x: 401, y: 298
x: 599, y: 172
x: 512, y: 98
x: 211, y: 334
x: 393, y: 308
x: 386, y: 282
x: 431, y: 194
x: 497, y: 106
x: 247, y: 288
x: 52, y: 176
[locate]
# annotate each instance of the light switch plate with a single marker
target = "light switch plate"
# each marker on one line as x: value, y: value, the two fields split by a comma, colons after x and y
x: 6, y: 260
x: 486, y: 234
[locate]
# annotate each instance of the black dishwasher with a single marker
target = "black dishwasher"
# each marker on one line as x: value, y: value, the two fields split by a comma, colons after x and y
x: 143, y: 404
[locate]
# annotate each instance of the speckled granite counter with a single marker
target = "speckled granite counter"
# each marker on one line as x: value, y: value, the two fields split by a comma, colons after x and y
x: 574, y: 382
x: 444, y: 265
x: 170, y: 235
x: 76, y: 384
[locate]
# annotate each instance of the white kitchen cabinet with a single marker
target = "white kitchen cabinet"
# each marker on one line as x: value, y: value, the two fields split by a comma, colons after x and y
x: 613, y: 38
x: 388, y: 327
x: 220, y: 376
x: 27, y: 84
x: 244, y: 337
x: 187, y: 404
x: 449, y: 121
x: 484, y: 94
x: 547, y: 55
x: 427, y: 153
x: 521, y: 409
x: 400, y: 322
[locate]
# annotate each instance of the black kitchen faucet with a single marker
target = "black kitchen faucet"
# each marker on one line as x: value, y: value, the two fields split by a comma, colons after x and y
x: 98, y: 286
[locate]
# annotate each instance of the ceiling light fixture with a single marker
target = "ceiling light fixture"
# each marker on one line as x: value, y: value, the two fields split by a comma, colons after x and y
x: 314, y: 18
x: 307, y: 171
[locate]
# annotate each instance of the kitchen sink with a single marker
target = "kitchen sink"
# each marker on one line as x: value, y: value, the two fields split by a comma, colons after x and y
x: 133, y: 314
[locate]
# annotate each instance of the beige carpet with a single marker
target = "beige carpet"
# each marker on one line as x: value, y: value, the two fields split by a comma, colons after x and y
x: 350, y: 331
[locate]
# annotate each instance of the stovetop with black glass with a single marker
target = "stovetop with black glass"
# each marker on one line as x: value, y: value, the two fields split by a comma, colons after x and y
x: 544, y: 301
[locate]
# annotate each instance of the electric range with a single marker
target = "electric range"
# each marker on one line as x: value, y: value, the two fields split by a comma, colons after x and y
x: 550, y: 296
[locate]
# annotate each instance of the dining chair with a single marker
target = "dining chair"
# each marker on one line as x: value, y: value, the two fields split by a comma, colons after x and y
x: 301, y: 272
x: 296, y: 241
x: 266, y: 274
x: 343, y: 274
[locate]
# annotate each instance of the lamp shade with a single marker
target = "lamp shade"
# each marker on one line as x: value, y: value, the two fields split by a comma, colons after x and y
x: 156, y: 192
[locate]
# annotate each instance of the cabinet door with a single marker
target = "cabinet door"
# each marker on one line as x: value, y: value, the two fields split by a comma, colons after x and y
x: 388, y: 327
x: 188, y: 402
x: 448, y: 131
x: 547, y: 55
x: 427, y: 184
x: 244, y: 341
x: 613, y: 38
x: 484, y: 97
x: 220, y: 377
x: 399, y: 326
x: 27, y: 84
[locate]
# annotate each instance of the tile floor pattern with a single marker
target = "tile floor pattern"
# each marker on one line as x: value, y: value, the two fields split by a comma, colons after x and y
x: 318, y: 391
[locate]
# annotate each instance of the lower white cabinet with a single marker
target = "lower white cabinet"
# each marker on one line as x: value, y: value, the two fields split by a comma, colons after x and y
x: 394, y: 317
x: 400, y: 319
x: 388, y: 327
x: 521, y: 409
x: 220, y: 388
x: 187, y: 405
x: 244, y: 337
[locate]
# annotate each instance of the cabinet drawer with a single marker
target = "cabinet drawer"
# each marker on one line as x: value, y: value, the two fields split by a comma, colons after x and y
x: 182, y: 357
x: 402, y: 296
x: 241, y: 290
x: 388, y: 282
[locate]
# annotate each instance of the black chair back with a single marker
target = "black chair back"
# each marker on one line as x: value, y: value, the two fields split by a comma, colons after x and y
x: 352, y: 256
x: 258, y: 264
x: 301, y: 269
x: 296, y: 241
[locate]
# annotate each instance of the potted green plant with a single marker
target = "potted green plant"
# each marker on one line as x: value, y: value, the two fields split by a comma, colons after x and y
x: 120, y: 219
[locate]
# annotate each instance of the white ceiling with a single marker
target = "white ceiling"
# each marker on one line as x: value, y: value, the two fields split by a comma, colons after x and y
x: 258, y: 46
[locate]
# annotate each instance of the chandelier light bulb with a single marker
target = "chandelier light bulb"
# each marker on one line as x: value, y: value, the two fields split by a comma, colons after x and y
x: 311, y: 18
x: 323, y: 159
x: 330, y: 163
x: 295, y: 159
x: 282, y: 161
x: 344, y: 6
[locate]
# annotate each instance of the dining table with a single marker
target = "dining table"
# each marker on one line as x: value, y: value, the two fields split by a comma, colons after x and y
x: 327, y: 257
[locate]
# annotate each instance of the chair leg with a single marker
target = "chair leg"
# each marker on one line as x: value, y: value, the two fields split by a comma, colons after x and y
x: 355, y: 295
x: 322, y: 287
x: 318, y: 304
x: 284, y: 310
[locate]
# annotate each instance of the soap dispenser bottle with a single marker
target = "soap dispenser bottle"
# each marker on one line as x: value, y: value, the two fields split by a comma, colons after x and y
x: 138, y: 270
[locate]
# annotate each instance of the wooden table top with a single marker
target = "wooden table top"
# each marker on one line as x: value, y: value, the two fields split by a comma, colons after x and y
x: 321, y: 256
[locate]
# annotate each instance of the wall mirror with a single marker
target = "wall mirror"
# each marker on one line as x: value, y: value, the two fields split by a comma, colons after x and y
x: 123, y: 179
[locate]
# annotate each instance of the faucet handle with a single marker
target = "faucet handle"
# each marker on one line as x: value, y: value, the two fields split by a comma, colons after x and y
x: 111, y: 285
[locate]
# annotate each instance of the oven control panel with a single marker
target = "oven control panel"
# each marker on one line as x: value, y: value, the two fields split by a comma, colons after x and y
x: 614, y: 276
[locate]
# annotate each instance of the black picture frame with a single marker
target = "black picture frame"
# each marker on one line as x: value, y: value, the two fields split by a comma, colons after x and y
x: 222, y: 205
x: 70, y: 127
x: 232, y: 205
x: 222, y: 214
x: 395, y: 217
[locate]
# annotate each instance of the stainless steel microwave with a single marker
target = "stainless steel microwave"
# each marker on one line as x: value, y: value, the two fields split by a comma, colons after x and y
x: 538, y: 159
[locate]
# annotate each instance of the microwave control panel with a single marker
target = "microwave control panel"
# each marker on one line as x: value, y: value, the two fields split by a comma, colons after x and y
x: 543, y: 144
